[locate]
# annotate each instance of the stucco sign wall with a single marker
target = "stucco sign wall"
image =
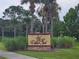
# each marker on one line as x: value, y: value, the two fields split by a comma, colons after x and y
x: 39, y: 41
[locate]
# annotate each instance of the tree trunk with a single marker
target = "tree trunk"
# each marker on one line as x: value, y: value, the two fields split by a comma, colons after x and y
x: 46, y: 26
x: 32, y: 6
x: 51, y: 26
x: 43, y: 25
x: 43, y: 28
x: 27, y: 30
x: 2, y: 32
x: 14, y: 31
x: 32, y: 25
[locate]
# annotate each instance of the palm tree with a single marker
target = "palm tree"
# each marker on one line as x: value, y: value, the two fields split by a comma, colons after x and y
x: 49, y: 13
x: 37, y: 26
x: 32, y: 6
x: 50, y: 10
x: 54, y: 14
x: 27, y: 20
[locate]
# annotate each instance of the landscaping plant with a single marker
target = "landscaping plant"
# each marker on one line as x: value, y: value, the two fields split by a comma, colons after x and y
x: 17, y: 43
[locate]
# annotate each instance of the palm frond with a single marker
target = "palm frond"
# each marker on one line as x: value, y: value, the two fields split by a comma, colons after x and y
x: 24, y: 1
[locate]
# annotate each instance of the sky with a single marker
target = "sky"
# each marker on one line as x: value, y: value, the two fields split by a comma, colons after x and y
x: 64, y: 4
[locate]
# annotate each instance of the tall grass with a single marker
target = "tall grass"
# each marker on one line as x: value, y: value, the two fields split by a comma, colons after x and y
x: 17, y: 43
x: 0, y: 38
x: 21, y: 43
x: 63, y: 42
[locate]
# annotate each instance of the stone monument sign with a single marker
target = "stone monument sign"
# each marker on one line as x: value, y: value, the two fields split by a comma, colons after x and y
x: 39, y: 41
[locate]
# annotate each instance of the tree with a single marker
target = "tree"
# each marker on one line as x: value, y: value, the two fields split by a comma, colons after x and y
x: 27, y: 20
x: 49, y: 13
x: 15, y: 15
x: 71, y: 20
x: 4, y: 24
x: 53, y: 15
x: 2, y: 27
x: 32, y: 6
x: 50, y: 10
x: 37, y: 26
x: 59, y: 28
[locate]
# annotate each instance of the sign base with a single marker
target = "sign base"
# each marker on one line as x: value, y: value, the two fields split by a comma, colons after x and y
x: 39, y: 48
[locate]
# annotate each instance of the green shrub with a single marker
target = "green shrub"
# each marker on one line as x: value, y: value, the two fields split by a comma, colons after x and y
x: 68, y: 42
x: 63, y: 42
x: 9, y: 43
x: 18, y: 43
x: 54, y: 41
x: 0, y: 38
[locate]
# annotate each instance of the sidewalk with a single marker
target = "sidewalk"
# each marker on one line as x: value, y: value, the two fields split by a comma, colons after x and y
x: 12, y: 55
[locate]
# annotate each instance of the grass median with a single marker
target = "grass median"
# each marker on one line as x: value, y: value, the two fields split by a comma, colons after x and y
x: 68, y: 53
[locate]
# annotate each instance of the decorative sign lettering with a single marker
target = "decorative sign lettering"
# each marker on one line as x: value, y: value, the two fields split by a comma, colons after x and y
x: 39, y: 40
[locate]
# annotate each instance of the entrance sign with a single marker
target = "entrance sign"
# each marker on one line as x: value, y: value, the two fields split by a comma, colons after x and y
x: 39, y: 42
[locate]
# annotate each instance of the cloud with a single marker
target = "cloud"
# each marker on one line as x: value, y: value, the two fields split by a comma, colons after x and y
x: 6, y: 3
x: 64, y: 4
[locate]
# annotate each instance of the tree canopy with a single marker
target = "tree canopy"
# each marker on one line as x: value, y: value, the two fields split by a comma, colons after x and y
x: 72, y: 22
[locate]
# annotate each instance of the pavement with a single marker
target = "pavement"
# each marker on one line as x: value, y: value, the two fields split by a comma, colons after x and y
x: 12, y: 55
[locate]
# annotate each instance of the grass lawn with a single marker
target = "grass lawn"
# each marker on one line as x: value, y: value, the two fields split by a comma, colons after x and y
x: 2, y: 47
x: 72, y: 53
x: 2, y: 58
